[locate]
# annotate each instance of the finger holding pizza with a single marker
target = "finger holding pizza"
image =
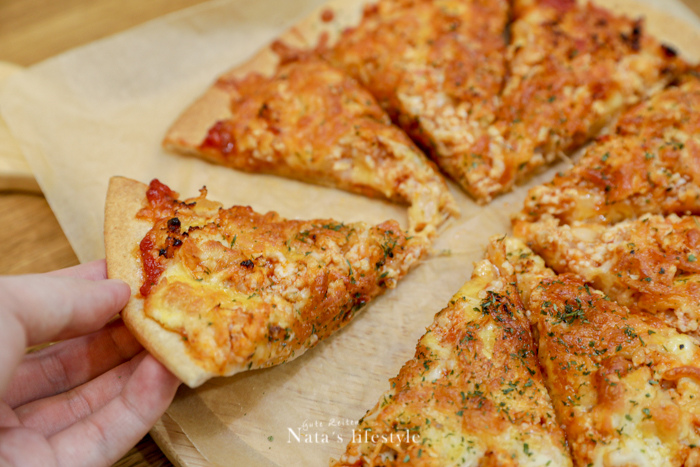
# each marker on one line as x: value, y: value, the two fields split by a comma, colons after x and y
x: 86, y: 399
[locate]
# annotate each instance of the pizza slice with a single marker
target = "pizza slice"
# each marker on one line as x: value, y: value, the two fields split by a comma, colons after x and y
x: 437, y: 68
x: 472, y: 395
x: 649, y: 164
x: 651, y: 263
x: 456, y: 90
x: 218, y: 291
x: 625, y: 386
x: 311, y: 122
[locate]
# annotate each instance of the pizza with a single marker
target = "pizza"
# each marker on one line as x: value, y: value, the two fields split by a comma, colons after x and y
x: 625, y: 386
x: 580, y: 65
x: 437, y: 68
x: 311, y: 122
x: 650, y: 263
x: 473, y: 394
x: 218, y: 291
x: 650, y: 163
x: 585, y: 355
x: 467, y: 97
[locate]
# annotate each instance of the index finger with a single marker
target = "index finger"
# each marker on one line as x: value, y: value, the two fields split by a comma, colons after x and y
x: 56, y: 308
x: 94, y: 271
x: 40, y: 308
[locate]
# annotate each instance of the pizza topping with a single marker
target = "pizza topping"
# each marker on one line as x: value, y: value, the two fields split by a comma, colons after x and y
x: 624, y: 385
x: 327, y: 16
x: 247, y: 290
x: 219, y: 138
x: 649, y: 165
x: 647, y: 264
x: 311, y: 122
x: 472, y: 395
x: 467, y: 97
x: 152, y: 267
x: 446, y: 69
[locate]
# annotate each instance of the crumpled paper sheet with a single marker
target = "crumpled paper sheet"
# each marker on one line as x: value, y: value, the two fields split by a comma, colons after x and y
x: 102, y: 109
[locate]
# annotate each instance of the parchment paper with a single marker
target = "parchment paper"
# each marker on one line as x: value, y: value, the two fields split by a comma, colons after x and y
x: 102, y: 110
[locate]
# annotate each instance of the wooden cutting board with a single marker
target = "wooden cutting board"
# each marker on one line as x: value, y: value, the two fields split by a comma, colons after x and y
x: 176, y: 445
x: 15, y: 174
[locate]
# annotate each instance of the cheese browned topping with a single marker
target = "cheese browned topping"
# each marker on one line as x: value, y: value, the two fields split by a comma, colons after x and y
x: 625, y: 386
x: 311, y: 122
x: 247, y: 290
x: 652, y: 263
x: 570, y: 70
x: 472, y: 395
x: 437, y: 68
x: 650, y: 164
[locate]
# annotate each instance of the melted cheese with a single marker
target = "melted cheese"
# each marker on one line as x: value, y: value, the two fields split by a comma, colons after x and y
x: 624, y: 385
x: 246, y: 290
x: 311, y: 122
x: 647, y: 165
x: 472, y: 394
x: 652, y: 263
x: 578, y: 65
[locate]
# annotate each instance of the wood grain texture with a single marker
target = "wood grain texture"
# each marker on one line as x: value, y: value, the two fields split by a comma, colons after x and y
x: 693, y: 5
x: 31, y: 238
x: 33, y: 30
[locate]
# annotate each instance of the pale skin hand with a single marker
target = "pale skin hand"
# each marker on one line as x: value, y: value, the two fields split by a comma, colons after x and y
x: 84, y: 401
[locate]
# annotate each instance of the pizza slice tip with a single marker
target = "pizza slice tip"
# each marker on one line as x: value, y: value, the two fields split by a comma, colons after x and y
x: 625, y: 385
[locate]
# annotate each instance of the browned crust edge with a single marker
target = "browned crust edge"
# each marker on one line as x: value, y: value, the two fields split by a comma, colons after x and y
x: 123, y: 233
x: 191, y: 127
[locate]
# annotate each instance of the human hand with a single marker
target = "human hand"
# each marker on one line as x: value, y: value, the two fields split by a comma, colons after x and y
x: 83, y: 401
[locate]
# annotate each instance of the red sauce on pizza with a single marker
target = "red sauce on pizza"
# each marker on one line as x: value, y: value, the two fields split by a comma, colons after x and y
x: 161, y: 201
x: 152, y: 267
x: 220, y: 138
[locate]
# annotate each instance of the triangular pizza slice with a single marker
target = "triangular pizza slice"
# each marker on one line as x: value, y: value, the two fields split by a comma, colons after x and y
x: 651, y: 263
x: 625, y: 386
x: 649, y: 164
x: 309, y: 121
x: 473, y: 393
x: 218, y: 291
x: 437, y: 67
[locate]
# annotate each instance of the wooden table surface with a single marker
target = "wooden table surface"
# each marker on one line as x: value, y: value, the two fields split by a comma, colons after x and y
x: 30, y: 31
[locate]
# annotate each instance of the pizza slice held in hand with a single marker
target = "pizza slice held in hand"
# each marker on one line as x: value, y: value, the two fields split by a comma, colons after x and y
x: 311, y: 122
x: 472, y: 395
x: 625, y: 386
x: 218, y: 291
x: 649, y: 164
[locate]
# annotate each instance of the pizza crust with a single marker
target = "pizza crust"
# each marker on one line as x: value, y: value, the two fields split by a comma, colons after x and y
x: 123, y: 233
x: 192, y: 126
x: 668, y: 29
